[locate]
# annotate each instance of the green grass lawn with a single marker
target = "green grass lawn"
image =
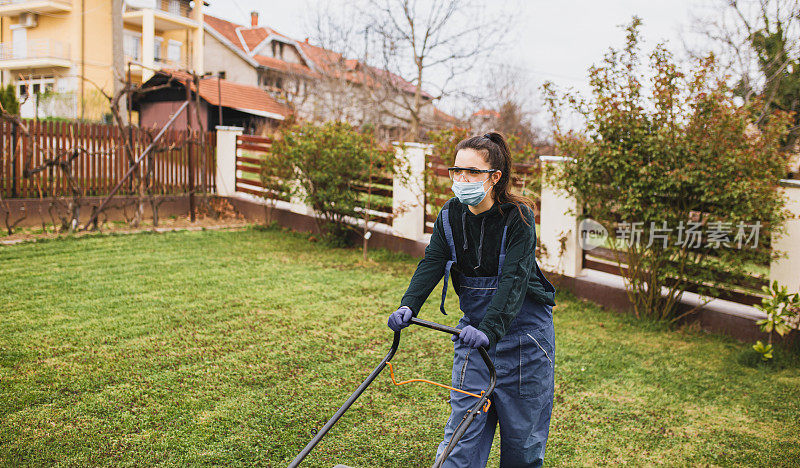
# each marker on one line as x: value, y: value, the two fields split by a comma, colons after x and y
x: 231, y: 347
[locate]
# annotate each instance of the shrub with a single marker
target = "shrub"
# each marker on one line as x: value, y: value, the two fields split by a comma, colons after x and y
x: 8, y: 98
x: 679, y: 155
x: 322, y: 164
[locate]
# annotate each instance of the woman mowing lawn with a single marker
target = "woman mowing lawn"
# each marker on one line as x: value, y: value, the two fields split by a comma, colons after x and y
x: 486, y: 238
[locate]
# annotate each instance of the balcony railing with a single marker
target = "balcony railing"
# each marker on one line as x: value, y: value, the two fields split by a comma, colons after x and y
x: 158, y: 5
x: 160, y: 63
x: 10, y: 2
x: 34, y: 49
x: 180, y: 64
x: 165, y: 18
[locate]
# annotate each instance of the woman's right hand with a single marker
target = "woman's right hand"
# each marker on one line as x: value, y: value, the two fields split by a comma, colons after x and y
x: 400, y: 318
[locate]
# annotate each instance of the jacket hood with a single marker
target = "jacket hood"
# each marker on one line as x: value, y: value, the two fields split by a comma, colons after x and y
x: 494, y: 210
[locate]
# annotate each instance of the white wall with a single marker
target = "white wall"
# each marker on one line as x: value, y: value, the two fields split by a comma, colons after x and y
x: 558, y: 235
x: 408, y: 196
x: 219, y: 57
x: 786, y: 271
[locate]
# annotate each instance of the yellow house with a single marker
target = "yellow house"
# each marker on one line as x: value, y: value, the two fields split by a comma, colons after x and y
x: 57, y: 53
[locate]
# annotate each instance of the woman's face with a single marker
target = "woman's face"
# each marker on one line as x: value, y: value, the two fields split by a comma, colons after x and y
x: 468, y: 158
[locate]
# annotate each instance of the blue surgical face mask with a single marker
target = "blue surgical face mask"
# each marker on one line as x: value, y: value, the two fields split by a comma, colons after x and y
x: 469, y: 193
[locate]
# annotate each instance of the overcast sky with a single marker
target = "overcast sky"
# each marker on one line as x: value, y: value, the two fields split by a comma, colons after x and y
x: 558, y: 39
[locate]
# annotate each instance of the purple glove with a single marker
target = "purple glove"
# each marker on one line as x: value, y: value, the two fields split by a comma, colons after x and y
x: 400, y: 318
x: 472, y: 337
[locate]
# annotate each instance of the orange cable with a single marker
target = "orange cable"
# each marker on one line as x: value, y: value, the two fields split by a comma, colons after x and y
x: 485, y: 406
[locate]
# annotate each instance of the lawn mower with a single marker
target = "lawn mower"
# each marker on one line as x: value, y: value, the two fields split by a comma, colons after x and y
x: 482, y: 404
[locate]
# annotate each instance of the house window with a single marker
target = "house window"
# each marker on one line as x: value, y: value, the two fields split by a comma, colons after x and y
x: 35, y: 85
x: 19, y: 42
x: 277, y: 49
x: 174, y: 51
x: 132, y: 45
x: 271, y: 80
x: 157, y: 41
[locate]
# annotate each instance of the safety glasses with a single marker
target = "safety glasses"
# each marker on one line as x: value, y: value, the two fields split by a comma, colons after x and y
x: 468, y: 174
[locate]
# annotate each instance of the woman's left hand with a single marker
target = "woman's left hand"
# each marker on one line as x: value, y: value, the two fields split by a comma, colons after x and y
x: 472, y: 337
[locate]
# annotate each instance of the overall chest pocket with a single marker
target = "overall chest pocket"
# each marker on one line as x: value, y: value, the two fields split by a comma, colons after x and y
x: 536, y: 364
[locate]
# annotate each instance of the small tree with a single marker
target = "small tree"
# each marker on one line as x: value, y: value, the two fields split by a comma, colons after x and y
x: 781, y: 310
x: 8, y: 100
x: 653, y: 165
x: 326, y: 162
x: 411, y: 54
x: 757, y: 43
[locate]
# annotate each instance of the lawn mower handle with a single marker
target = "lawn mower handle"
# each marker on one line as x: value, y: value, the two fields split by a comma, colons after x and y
x: 435, y: 326
x: 460, y: 429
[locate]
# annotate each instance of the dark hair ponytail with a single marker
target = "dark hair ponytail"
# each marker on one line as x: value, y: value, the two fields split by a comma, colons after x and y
x: 495, y: 151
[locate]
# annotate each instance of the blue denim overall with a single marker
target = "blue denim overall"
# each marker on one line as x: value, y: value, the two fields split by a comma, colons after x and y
x: 524, y: 359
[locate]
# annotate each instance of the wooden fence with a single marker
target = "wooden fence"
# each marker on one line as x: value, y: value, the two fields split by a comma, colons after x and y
x: 102, y: 161
x: 251, y: 151
x: 526, y: 181
x: 744, y: 289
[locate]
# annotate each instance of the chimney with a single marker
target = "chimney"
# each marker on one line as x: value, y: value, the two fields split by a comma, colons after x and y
x: 254, y: 19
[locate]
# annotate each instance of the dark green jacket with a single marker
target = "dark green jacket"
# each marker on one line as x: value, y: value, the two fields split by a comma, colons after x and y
x: 477, y: 254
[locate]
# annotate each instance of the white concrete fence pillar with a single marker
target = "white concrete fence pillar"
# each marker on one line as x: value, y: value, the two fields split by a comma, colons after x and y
x: 786, y: 270
x: 226, y: 160
x: 408, y: 196
x: 558, y: 234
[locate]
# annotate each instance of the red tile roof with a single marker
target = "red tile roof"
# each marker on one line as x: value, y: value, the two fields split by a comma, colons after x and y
x: 324, y: 60
x: 399, y: 82
x: 234, y: 95
x: 487, y: 112
x: 443, y: 116
x: 283, y: 65
x: 252, y: 36
x: 225, y: 28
